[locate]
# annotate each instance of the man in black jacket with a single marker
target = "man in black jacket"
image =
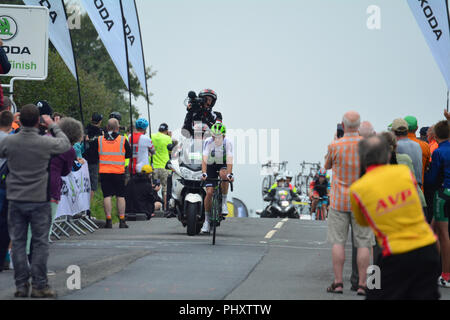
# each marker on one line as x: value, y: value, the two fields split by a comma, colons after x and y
x: 93, y: 131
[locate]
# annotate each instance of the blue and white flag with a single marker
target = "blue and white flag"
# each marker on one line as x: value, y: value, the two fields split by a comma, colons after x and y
x: 432, y: 18
x: 58, y: 30
x: 106, y: 16
x: 135, y: 49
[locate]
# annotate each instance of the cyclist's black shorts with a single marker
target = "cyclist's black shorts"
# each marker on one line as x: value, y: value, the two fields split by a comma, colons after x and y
x: 212, y: 170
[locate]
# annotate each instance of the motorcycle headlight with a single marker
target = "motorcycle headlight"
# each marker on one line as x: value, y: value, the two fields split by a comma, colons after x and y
x: 190, y: 175
x: 284, y: 203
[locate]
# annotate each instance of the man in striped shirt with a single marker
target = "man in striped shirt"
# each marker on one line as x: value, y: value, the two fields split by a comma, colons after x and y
x: 343, y: 159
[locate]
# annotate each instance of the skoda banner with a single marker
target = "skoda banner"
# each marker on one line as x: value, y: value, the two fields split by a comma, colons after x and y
x: 24, y: 31
x: 432, y: 18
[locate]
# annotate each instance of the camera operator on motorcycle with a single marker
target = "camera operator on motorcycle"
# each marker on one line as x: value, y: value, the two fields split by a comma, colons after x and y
x: 217, y: 162
x: 199, y: 109
x: 319, y: 188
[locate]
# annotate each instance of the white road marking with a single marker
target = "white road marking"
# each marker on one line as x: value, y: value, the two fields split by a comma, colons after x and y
x: 270, y: 234
x: 279, y: 225
x: 285, y: 220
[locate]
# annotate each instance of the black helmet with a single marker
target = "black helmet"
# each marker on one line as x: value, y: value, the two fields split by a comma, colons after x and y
x: 115, y: 115
x: 44, y: 108
x: 209, y: 93
x: 96, y: 117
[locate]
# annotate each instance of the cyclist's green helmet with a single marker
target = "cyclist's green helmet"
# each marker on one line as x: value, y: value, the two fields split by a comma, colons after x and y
x: 218, y: 129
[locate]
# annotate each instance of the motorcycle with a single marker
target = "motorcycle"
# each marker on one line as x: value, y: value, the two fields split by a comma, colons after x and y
x: 281, y: 205
x: 188, y: 193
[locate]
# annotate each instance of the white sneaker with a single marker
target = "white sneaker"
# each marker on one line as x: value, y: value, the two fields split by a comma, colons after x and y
x: 205, y: 228
x: 443, y: 283
x: 224, y: 209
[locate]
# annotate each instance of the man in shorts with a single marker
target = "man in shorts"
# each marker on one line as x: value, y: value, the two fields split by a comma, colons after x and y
x: 113, y: 149
x: 438, y: 177
x: 342, y: 157
x: 217, y: 162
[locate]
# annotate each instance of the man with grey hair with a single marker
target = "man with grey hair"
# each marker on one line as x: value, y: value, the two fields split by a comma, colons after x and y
x: 342, y: 157
x: 386, y: 199
x: 366, y: 129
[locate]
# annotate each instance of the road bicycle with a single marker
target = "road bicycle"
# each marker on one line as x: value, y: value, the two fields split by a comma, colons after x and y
x: 216, y: 208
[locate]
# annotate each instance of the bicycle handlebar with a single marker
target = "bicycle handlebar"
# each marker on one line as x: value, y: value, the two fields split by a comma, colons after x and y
x: 217, y: 180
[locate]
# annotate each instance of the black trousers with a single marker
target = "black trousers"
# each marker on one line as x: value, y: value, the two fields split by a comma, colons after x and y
x: 409, y: 276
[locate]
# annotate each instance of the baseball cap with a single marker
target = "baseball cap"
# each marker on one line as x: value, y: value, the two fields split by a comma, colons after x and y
x: 399, y: 125
x: 96, y: 117
x: 163, y: 127
x: 44, y: 108
x: 412, y: 123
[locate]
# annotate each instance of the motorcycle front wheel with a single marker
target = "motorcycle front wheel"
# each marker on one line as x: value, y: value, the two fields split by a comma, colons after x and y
x: 191, y: 215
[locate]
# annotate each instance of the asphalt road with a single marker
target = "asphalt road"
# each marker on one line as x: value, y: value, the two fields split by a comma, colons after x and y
x: 254, y: 259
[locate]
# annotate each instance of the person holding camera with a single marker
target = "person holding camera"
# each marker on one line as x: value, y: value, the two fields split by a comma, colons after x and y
x: 200, y: 110
x: 28, y: 193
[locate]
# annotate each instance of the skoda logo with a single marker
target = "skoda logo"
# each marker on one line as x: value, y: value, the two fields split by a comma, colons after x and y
x: 8, y: 28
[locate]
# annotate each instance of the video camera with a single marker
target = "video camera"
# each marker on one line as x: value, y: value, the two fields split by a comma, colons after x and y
x: 195, y: 102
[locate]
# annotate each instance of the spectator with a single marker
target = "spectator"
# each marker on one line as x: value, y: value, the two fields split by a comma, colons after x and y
x: 432, y: 140
x: 410, y: 262
x: 424, y: 134
x: 142, y: 195
x: 61, y: 165
x: 93, y: 131
x: 142, y: 145
x: 112, y: 169
x: 439, y: 178
x: 411, y: 148
x: 28, y: 196
x: 57, y: 117
x: 366, y: 129
x: 342, y: 157
x: 5, y: 67
x: 403, y: 158
x: 426, y: 154
x: 7, y: 104
x: 6, y: 120
x: 44, y: 109
x: 163, y: 145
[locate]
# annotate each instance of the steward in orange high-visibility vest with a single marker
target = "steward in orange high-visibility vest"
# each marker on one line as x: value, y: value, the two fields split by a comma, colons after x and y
x: 111, y: 155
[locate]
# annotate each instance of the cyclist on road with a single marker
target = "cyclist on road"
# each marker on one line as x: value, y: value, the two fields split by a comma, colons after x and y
x: 217, y: 162
x: 319, y: 188
x: 205, y: 114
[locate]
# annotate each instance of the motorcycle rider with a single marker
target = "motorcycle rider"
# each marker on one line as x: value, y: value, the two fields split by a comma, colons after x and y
x: 288, y: 178
x: 205, y: 114
x: 319, y: 188
x: 217, y: 162
x: 270, y: 196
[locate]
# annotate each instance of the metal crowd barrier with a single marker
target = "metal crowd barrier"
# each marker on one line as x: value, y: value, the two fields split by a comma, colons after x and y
x: 77, y: 224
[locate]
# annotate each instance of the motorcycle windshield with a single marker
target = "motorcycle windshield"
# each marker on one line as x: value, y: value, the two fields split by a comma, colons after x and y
x: 283, y: 194
x: 191, y: 154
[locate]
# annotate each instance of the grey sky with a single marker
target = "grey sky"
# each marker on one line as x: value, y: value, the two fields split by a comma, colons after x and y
x: 296, y: 66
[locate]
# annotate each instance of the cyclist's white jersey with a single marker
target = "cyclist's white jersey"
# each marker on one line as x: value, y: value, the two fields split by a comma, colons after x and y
x: 215, y: 153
